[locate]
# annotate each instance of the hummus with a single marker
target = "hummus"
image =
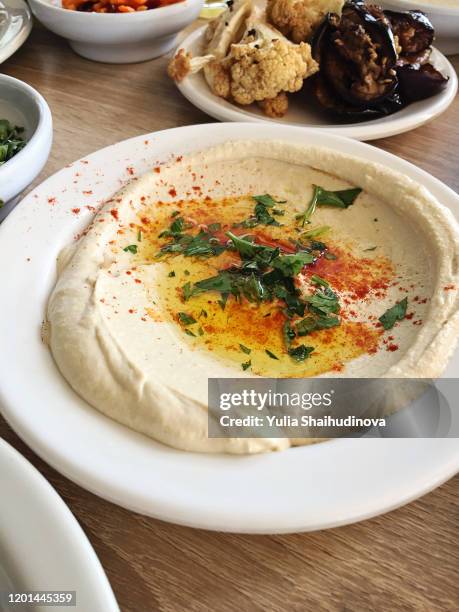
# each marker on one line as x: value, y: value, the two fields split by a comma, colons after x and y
x: 133, y: 345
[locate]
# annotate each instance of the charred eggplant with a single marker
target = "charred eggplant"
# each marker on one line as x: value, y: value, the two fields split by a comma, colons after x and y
x: 417, y: 82
x: 357, y: 55
x: 373, y: 62
x: 414, y: 32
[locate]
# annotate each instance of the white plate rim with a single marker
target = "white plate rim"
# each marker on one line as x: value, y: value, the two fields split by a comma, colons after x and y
x: 180, y: 506
x: 17, y: 42
x: 81, y: 555
x: 220, y: 109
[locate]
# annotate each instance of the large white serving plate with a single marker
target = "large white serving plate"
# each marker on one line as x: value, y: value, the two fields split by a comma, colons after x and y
x: 15, y: 26
x: 304, y: 488
x: 42, y: 547
x: 303, y: 114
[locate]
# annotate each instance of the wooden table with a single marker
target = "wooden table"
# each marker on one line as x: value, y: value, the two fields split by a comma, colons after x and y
x: 406, y: 560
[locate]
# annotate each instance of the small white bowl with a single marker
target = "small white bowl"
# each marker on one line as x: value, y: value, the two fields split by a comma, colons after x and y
x: 25, y: 107
x: 445, y: 20
x: 118, y: 38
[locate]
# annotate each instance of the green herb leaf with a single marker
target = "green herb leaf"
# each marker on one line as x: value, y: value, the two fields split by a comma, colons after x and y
x: 189, y: 332
x: 394, y: 314
x: 245, y: 366
x: 186, y: 319
x: 187, y: 291
x: 330, y: 256
x: 11, y: 141
x: 339, y: 199
x: 317, y: 280
x: 318, y: 231
x: 245, y: 349
x: 171, y: 274
x: 324, y: 301
x: 132, y: 248
x: 370, y: 249
x: 301, y: 352
x: 315, y: 323
x: 288, y: 333
x: 291, y: 265
x: 321, y: 197
x: 139, y: 236
x: 270, y: 354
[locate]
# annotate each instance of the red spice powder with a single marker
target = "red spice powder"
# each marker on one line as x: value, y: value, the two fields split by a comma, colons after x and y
x: 157, y: 169
x: 114, y: 213
x: 52, y: 201
x: 355, y: 275
x: 172, y: 192
x: 76, y: 211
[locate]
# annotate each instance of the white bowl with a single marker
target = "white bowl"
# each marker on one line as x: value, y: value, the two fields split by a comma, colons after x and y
x: 445, y: 20
x: 118, y: 38
x: 23, y: 106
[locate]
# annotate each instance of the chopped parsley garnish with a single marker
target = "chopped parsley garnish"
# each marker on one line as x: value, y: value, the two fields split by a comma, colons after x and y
x: 324, y: 301
x: 200, y: 331
x: 132, y: 248
x: 203, y: 313
x: 330, y: 256
x: 265, y: 207
x: 317, y: 280
x: 394, y: 314
x: 186, y: 319
x: 189, y: 332
x: 370, y: 249
x: 11, y: 141
x: 309, y: 324
x: 291, y: 265
x: 245, y: 349
x: 171, y: 274
x: 271, y: 354
x: 203, y: 244
x: 301, y: 352
x: 318, y: 231
x: 139, y: 236
x: 321, y: 197
x: 245, y: 366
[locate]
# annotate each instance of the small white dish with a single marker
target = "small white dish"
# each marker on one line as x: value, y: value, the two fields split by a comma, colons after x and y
x: 445, y: 20
x: 118, y: 38
x: 23, y: 106
x: 301, y: 489
x: 42, y: 545
x: 300, y: 114
x: 15, y: 26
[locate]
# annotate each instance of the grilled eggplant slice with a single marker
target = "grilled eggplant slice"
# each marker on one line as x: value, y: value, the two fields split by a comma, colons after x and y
x: 357, y: 55
x: 417, y: 82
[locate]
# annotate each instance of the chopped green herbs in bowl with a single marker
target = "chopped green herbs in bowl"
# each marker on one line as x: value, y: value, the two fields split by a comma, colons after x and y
x: 11, y: 140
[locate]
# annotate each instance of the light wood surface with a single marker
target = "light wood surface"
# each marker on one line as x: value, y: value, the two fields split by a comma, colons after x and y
x: 407, y: 560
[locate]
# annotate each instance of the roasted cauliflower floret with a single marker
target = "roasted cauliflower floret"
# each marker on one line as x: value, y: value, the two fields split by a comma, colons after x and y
x: 265, y: 64
x: 220, y: 34
x: 275, y: 107
x: 298, y: 19
x: 247, y: 60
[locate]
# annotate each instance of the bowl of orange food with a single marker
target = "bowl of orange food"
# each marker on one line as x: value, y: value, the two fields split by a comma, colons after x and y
x: 117, y: 31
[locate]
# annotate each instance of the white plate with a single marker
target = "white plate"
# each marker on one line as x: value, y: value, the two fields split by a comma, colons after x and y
x: 15, y: 26
x: 300, y: 489
x: 42, y: 546
x: 196, y: 90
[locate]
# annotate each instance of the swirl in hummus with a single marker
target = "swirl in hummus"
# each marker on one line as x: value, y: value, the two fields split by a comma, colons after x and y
x: 247, y: 259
